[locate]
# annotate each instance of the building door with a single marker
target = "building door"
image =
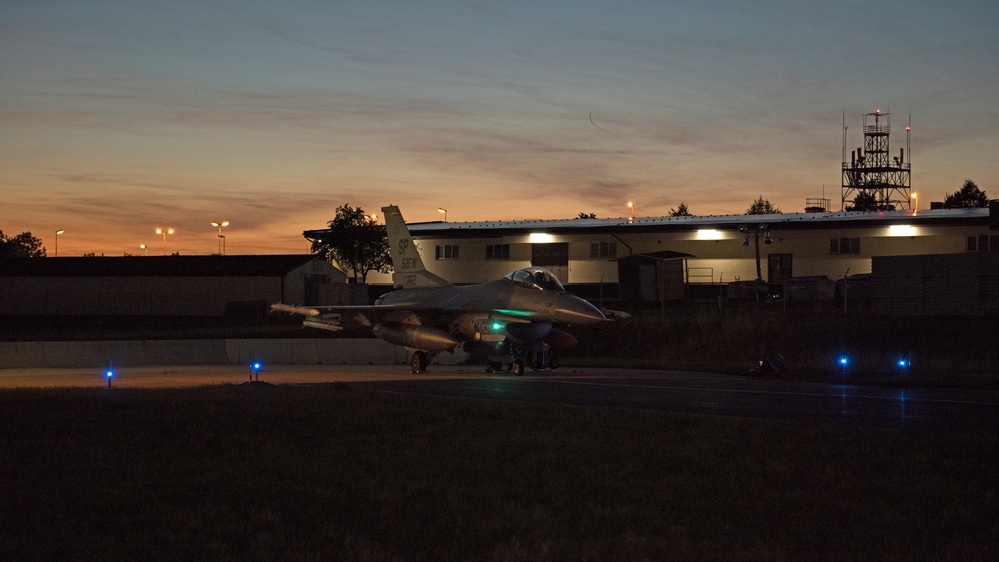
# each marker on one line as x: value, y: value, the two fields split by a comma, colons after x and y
x: 778, y: 268
x: 312, y: 288
x: 553, y: 257
x: 649, y: 282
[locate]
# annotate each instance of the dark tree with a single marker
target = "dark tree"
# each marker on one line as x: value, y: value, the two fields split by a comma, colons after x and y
x: 968, y: 197
x: 864, y: 201
x: 680, y: 212
x: 583, y: 215
x: 355, y: 242
x: 762, y: 207
x: 24, y: 245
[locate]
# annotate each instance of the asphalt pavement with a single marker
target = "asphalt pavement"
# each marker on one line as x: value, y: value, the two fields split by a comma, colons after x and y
x: 663, y: 391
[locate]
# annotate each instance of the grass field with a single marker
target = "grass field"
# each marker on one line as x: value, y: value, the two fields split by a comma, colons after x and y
x: 329, y: 472
x: 810, y: 337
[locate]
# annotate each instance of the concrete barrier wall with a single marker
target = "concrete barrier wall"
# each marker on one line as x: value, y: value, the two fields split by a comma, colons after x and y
x: 207, y: 352
x: 56, y: 354
x: 315, y: 352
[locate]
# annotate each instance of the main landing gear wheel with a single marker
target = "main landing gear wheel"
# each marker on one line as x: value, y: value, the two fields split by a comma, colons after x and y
x: 517, y: 368
x: 418, y: 362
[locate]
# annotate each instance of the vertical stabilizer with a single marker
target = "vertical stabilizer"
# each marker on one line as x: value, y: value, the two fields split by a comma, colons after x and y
x: 407, y: 265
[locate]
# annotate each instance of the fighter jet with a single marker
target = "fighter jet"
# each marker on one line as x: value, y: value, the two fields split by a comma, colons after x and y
x: 513, y: 322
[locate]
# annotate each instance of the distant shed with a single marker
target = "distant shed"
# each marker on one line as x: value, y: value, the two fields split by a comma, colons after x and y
x: 162, y: 285
x: 651, y: 277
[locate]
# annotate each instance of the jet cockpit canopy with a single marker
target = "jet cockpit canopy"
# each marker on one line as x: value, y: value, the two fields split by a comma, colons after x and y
x: 536, y: 278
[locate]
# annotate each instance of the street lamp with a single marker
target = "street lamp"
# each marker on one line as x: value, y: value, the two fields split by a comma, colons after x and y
x: 915, y: 204
x: 164, y: 233
x: 442, y: 210
x: 220, y: 224
x: 767, y: 239
x: 144, y: 248
x: 631, y: 205
x: 58, y: 232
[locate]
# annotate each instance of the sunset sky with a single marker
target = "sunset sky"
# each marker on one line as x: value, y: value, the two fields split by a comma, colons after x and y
x: 118, y: 117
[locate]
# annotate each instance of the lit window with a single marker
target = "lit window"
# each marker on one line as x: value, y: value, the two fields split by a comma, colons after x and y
x: 844, y: 246
x: 446, y: 252
x: 498, y: 252
x: 603, y: 250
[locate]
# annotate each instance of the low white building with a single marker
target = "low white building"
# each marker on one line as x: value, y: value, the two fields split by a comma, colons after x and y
x: 588, y: 253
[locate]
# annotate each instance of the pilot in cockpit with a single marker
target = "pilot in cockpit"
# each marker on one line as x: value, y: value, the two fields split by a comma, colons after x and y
x: 536, y: 278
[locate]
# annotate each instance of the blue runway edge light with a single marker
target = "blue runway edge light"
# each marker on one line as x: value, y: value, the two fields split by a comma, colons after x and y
x: 843, y: 361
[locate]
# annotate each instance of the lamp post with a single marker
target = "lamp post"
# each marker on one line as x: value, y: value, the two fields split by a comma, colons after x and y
x: 220, y: 224
x: 442, y: 210
x: 766, y: 240
x: 631, y: 205
x: 164, y: 232
x: 144, y: 248
x: 915, y: 204
x: 58, y: 232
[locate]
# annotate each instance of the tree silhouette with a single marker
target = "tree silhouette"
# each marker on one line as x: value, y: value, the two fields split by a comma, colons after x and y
x: 24, y: 245
x: 864, y: 201
x: 762, y: 207
x: 356, y: 242
x: 583, y: 215
x: 680, y: 212
x: 968, y: 197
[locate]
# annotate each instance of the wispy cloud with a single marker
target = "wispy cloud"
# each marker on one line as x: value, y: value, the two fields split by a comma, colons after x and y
x: 121, y: 116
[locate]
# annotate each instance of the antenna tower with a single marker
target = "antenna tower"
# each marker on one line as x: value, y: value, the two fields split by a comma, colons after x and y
x: 872, y: 172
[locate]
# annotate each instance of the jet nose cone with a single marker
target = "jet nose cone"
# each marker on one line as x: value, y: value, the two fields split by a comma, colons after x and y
x: 576, y: 311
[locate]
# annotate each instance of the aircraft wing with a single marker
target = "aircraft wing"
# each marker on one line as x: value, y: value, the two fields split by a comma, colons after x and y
x: 336, y: 317
x: 358, y: 315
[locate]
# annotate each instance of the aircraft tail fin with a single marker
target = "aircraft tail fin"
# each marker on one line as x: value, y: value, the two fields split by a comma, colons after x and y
x: 408, y: 269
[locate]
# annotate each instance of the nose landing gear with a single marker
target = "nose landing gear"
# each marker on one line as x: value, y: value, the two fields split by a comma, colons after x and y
x: 517, y: 368
x: 537, y: 359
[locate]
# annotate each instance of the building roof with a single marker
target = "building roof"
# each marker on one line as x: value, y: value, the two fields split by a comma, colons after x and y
x: 785, y: 221
x: 157, y: 266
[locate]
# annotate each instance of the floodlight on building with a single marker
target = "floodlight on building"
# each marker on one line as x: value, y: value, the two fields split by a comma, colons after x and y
x: 901, y: 230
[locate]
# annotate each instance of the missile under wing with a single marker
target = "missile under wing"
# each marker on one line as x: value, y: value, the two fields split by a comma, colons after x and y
x: 511, y: 321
